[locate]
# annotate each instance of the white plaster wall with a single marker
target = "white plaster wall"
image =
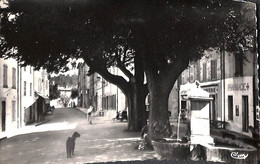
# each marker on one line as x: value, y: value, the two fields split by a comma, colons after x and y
x: 236, y: 123
x: 41, y: 82
x: 8, y: 94
x: 28, y: 99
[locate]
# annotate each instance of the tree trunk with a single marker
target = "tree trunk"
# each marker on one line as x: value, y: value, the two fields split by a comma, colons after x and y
x: 136, y: 99
x: 161, y: 79
x: 136, y: 107
x: 159, y: 125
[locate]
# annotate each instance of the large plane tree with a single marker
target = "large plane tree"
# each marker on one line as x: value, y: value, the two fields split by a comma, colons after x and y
x: 158, y: 38
x: 47, y: 34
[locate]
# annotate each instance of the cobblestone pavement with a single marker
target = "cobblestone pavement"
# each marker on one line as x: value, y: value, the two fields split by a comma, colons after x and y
x: 103, y: 141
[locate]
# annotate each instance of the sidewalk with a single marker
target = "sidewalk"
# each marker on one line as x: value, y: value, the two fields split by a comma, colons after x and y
x: 23, y: 130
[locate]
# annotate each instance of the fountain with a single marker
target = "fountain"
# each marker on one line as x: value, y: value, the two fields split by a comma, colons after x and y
x: 201, y: 143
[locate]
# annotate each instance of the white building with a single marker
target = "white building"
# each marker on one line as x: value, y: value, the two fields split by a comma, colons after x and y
x: 26, y: 94
x: 9, y: 115
x: 20, y: 95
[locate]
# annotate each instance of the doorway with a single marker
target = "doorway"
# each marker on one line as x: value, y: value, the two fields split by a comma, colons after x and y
x: 213, y: 112
x: 245, y: 113
x: 3, y: 115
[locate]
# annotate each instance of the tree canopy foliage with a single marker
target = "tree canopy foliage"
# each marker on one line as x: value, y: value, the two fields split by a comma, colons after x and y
x: 65, y: 80
x: 163, y: 30
x: 158, y: 37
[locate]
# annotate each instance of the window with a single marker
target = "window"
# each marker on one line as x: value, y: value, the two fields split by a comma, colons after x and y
x: 30, y: 70
x: 5, y: 76
x: 213, y: 69
x: 24, y: 68
x: 30, y: 89
x: 238, y: 65
x: 14, y: 78
x: 13, y: 110
x: 24, y: 88
x: 183, y: 104
x: 230, y: 107
x: 204, y: 71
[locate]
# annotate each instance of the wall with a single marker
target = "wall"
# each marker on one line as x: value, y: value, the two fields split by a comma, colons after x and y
x: 238, y: 87
x: 41, y: 82
x: 207, y: 58
x: 245, y: 89
x: 230, y: 64
x: 28, y: 99
x: 8, y: 94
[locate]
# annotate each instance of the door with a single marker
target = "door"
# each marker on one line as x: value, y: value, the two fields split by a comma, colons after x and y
x: 3, y: 115
x: 245, y: 113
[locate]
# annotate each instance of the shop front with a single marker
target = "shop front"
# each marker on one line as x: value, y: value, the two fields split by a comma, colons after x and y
x: 239, y: 106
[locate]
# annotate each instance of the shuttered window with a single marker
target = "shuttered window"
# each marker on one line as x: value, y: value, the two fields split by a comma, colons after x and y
x: 14, y: 78
x: 5, y: 77
x: 204, y: 71
x: 213, y: 69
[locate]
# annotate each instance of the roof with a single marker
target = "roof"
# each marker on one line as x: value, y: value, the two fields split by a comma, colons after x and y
x: 193, y: 90
x: 41, y: 95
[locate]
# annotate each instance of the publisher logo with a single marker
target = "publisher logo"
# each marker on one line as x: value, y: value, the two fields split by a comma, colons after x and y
x: 236, y: 155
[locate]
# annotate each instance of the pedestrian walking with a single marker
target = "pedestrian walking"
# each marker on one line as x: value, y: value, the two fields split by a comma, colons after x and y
x: 90, y: 109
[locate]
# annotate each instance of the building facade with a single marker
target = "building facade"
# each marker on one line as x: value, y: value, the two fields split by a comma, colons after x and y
x: 26, y: 94
x: 9, y: 115
x: 232, y: 84
x: 19, y: 95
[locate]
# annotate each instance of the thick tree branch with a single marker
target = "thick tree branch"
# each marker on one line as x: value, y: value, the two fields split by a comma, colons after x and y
x: 114, y: 79
x: 124, y: 70
x: 173, y: 72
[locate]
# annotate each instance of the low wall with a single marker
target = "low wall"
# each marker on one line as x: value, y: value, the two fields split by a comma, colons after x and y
x: 231, y: 151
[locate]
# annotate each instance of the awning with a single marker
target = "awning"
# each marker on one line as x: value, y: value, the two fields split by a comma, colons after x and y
x: 46, y: 98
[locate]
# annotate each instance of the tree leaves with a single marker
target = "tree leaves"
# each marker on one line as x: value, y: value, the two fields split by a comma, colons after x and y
x: 108, y: 33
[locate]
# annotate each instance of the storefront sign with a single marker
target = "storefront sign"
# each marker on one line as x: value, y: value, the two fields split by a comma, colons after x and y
x: 238, y: 87
x: 211, y: 90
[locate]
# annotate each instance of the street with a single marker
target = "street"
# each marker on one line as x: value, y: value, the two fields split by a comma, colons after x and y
x: 103, y: 141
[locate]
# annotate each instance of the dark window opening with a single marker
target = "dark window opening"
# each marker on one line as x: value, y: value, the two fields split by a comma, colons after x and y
x: 213, y: 69
x: 238, y: 66
x: 204, y: 72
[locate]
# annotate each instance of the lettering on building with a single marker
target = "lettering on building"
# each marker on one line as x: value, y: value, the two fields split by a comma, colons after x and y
x: 238, y: 87
x: 211, y: 90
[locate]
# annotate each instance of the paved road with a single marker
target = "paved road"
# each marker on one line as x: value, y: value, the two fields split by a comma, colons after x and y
x: 102, y: 141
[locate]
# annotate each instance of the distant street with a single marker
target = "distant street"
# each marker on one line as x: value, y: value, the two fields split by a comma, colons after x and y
x: 102, y: 141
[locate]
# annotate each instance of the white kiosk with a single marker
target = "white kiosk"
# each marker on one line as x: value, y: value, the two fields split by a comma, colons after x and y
x: 197, y: 102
